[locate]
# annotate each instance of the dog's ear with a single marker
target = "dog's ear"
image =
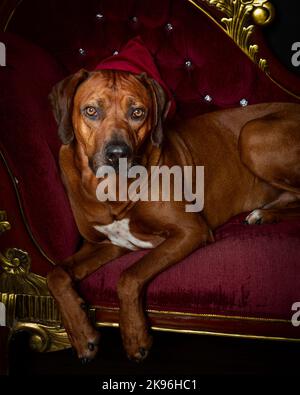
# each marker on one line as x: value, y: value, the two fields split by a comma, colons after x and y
x: 61, y: 99
x: 160, y: 108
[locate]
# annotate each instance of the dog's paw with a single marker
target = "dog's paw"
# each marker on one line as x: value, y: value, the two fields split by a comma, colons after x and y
x: 261, y: 216
x: 137, y: 350
x: 83, y: 337
x: 136, y: 340
x: 86, y: 347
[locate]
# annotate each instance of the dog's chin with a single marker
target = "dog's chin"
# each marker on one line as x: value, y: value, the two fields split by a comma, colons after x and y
x: 115, y: 165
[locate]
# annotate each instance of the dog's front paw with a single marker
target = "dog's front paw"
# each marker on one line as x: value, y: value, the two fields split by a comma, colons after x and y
x: 83, y: 337
x: 138, y: 350
x: 136, y: 341
x: 261, y: 216
x: 87, y: 350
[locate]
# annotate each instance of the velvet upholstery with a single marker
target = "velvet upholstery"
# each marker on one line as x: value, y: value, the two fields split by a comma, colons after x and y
x: 30, y: 144
x: 249, y: 271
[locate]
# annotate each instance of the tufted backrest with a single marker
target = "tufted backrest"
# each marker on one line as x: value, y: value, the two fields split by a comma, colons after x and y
x: 203, y: 67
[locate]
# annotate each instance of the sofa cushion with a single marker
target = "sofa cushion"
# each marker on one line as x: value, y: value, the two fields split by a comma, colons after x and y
x: 249, y: 271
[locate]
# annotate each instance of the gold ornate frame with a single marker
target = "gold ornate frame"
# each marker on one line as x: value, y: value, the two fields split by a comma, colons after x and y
x: 237, y: 23
x: 29, y: 306
x: 240, y: 21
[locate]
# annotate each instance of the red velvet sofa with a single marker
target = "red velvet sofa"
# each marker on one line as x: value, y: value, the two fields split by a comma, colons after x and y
x: 242, y: 285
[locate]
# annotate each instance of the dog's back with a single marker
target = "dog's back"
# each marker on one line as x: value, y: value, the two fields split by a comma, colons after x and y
x: 213, y: 141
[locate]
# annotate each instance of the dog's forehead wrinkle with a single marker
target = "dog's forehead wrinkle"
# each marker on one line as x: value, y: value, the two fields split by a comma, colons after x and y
x: 113, y: 88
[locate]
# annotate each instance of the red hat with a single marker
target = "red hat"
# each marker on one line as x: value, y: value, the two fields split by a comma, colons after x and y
x: 136, y: 58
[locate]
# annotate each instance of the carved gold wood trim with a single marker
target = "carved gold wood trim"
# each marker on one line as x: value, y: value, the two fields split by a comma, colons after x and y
x: 200, y: 315
x: 15, y: 275
x: 29, y: 306
x: 207, y: 333
x: 44, y: 338
x: 4, y: 224
x: 239, y: 23
x: 239, y: 14
x: 39, y: 316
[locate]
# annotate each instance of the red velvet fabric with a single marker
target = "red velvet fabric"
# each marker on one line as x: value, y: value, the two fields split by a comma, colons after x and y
x: 218, y: 67
x: 249, y: 271
x: 30, y: 144
x: 18, y: 236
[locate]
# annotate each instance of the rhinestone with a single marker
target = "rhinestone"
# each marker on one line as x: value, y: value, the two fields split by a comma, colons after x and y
x: 134, y: 19
x: 169, y: 27
x: 244, y: 102
x: 208, y: 98
x: 99, y: 16
x: 188, y: 64
x: 115, y: 53
x: 81, y: 51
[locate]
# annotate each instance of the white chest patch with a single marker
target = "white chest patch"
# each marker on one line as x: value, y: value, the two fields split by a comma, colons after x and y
x: 119, y: 234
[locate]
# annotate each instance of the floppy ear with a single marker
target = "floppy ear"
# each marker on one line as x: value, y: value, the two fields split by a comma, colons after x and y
x: 61, y: 98
x: 160, y: 108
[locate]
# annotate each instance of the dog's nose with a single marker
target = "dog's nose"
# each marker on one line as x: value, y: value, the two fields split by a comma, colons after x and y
x: 114, y: 152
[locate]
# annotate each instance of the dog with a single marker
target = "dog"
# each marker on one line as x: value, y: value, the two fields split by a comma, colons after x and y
x: 251, y: 158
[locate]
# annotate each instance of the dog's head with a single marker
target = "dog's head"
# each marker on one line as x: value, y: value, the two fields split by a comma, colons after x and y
x: 109, y: 113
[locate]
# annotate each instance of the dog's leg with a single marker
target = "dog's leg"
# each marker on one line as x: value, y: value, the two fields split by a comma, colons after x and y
x: 286, y: 206
x: 180, y: 243
x: 262, y: 216
x: 61, y: 283
x: 270, y: 148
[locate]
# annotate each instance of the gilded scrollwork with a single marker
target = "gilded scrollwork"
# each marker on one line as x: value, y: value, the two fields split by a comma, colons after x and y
x: 44, y: 338
x: 4, y: 224
x: 15, y: 275
x: 29, y: 306
x: 15, y: 261
x: 239, y: 22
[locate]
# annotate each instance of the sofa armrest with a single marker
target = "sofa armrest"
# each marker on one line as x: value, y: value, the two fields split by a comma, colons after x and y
x: 29, y: 150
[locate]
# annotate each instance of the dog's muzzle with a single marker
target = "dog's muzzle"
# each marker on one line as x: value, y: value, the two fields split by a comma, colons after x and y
x: 114, y: 152
x: 110, y: 156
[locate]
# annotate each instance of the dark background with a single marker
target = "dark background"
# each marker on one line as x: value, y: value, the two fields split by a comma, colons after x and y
x: 284, y: 31
x: 172, y: 354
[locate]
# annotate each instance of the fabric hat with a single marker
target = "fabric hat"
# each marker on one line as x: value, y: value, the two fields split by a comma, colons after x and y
x: 136, y: 58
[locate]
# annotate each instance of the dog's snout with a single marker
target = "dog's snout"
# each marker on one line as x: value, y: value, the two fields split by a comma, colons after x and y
x: 114, y: 152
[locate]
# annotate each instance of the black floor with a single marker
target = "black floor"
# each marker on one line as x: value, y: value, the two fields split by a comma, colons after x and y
x: 172, y: 354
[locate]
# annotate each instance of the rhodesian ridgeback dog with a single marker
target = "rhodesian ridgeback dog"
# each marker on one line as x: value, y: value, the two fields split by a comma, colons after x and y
x: 252, y: 164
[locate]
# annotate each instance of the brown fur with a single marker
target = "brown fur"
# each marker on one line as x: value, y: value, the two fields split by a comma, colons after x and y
x: 251, y: 157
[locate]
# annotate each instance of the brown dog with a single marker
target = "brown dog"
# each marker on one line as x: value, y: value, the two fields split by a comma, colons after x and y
x: 252, y: 162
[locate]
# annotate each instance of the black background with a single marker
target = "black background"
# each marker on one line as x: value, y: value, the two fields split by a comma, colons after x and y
x: 284, y: 31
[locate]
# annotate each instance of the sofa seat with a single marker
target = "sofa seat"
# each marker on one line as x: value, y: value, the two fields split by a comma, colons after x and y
x: 250, y: 273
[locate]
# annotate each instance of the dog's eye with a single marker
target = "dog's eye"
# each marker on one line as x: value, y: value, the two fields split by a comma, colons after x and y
x: 91, y: 112
x: 138, y: 113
